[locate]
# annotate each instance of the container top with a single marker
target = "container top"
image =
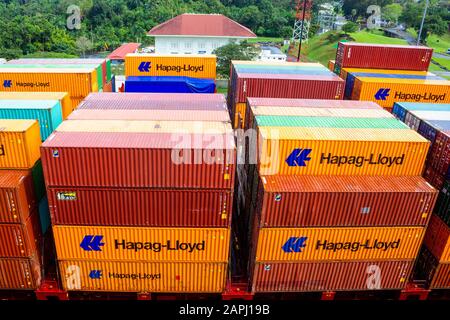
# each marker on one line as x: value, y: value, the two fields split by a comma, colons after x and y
x: 329, y: 122
x: 387, y: 71
x: 396, y: 76
x: 340, y: 134
x: 322, y: 112
x: 441, y: 125
x: 387, y: 81
x: 33, y: 95
x: 150, y: 114
x: 50, y: 66
x: 12, y: 178
x: 329, y: 77
x: 314, y: 103
x: 7, y: 125
x: 170, y: 56
x: 29, y: 104
x: 305, y: 183
x: 278, y: 64
x: 431, y: 114
x: 49, y: 70
x: 169, y: 79
x: 400, y: 46
x: 113, y: 140
x: 131, y: 126
x: 57, y: 61
x: 424, y: 106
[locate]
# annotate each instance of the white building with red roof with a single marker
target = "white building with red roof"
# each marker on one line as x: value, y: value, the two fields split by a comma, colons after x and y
x: 197, y: 33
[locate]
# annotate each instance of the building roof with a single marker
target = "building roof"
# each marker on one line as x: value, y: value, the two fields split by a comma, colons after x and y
x: 273, y: 50
x: 208, y: 25
x: 123, y: 50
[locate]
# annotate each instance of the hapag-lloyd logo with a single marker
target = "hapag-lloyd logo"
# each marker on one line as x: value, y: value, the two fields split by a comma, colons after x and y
x: 178, y: 69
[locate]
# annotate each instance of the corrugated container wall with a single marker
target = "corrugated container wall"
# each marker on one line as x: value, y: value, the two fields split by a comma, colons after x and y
x: 142, y: 244
x: 437, y: 239
x: 20, y: 274
x: 428, y: 268
x: 196, y: 66
x: 382, y: 56
x: 130, y: 276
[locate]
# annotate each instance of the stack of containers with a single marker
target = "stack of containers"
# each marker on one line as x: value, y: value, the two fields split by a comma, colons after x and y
x: 433, y: 122
x: 77, y: 80
x: 388, y: 74
x: 278, y: 80
x: 20, y: 230
x: 336, y: 199
x: 140, y: 204
x: 170, y: 73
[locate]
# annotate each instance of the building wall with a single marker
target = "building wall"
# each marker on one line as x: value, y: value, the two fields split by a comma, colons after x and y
x: 189, y: 45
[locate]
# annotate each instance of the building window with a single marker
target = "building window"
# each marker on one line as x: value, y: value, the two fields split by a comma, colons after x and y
x: 201, y: 45
x: 174, y: 45
x: 188, y: 45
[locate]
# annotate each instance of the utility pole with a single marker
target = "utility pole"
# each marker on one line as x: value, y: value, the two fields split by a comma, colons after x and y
x: 301, y: 31
x: 427, y: 2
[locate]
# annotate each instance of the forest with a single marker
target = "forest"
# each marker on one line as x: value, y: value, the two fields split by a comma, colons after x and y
x: 31, y: 26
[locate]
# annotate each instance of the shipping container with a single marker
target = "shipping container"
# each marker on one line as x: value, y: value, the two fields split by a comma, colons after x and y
x: 437, y: 239
x: 154, y: 101
x: 108, y: 87
x: 386, y: 92
x: 239, y: 116
x: 47, y: 112
x: 140, y: 207
x: 142, y: 244
x: 400, y: 109
x: 428, y: 268
x: 76, y: 102
x: 311, y: 103
x: 331, y: 244
x: 331, y: 64
x: 429, y: 129
x: 191, y: 65
x: 434, y: 177
x: 130, y: 126
x: 414, y: 118
x: 44, y: 215
x: 17, y: 197
x: 442, y: 209
x: 106, y: 63
x: 63, y: 97
x: 383, y: 56
x: 150, y: 115
x: 20, y: 274
x: 319, y: 201
x: 38, y: 180
x: 440, y: 153
x: 172, y: 84
x: 150, y: 159
x: 21, y: 240
x: 331, y: 276
x: 306, y: 151
x: 328, y: 122
x: 19, y: 144
x: 77, y: 82
x: 97, y: 68
x: 382, y: 72
x: 132, y: 276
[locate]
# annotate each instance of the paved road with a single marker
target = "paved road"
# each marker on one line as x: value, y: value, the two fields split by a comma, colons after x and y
x: 440, y: 55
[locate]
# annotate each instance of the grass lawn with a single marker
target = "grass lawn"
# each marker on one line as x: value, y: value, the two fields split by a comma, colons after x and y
x: 443, y: 62
x: 42, y: 55
x: 375, y: 37
x: 265, y: 39
x: 222, y: 90
x: 438, y: 43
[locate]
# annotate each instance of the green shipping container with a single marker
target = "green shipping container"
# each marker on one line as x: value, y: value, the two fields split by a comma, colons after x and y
x: 47, y: 112
x: 38, y: 180
x: 108, y: 70
x: 329, y: 122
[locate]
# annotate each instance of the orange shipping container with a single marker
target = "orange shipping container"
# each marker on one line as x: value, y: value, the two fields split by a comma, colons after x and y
x: 186, y: 277
x: 190, y: 65
x: 142, y: 244
x: 20, y: 141
x: 20, y: 274
x: 77, y: 82
x: 63, y: 97
x: 325, y: 244
x: 437, y: 239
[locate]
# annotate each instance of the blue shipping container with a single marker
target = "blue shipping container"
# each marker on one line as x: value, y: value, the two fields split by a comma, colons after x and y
x: 169, y: 85
x: 47, y: 112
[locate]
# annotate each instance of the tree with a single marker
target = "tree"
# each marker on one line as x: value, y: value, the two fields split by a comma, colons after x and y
x: 392, y: 12
x: 350, y: 27
x: 233, y: 51
x: 84, y: 44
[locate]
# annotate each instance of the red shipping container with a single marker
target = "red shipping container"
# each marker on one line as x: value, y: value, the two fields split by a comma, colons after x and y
x: 150, y: 115
x: 437, y: 239
x: 287, y: 86
x: 428, y: 268
x: 17, y: 199
x: 433, y: 177
x: 382, y: 56
x: 140, y: 207
x: 331, y: 276
x: 20, y: 274
x: 21, y: 240
x: 161, y: 101
x: 440, y: 153
x: 343, y: 201
x: 139, y: 160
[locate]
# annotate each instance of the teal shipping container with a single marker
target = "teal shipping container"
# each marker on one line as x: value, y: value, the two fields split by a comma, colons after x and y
x: 44, y: 215
x: 47, y: 112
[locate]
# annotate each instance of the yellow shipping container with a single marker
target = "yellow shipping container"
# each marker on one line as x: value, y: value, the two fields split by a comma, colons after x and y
x: 77, y: 82
x: 239, y: 115
x: 20, y: 141
x: 189, y: 65
x: 186, y: 277
x: 338, y: 244
x: 142, y: 244
x: 210, y: 127
x: 76, y: 102
x: 333, y: 151
x: 331, y: 64
x: 386, y: 91
x: 63, y: 98
x: 321, y: 112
